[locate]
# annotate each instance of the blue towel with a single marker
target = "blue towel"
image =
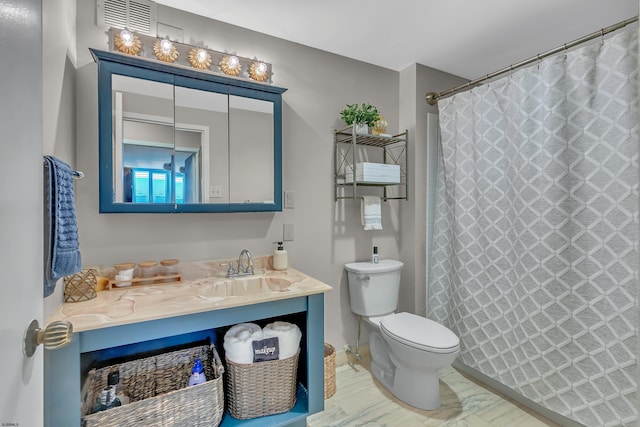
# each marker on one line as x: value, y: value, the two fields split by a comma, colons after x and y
x: 62, y: 250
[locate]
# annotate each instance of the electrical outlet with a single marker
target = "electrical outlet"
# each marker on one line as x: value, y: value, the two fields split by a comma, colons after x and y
x: 287, y: 234
x: 215, y: 192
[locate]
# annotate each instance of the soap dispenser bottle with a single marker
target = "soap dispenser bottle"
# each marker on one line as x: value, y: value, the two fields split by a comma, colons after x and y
x: 375, y: 258
x: 280, y: 258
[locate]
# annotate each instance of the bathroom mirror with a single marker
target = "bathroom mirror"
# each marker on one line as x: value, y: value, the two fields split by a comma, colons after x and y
x: 251, y: 145
x: 173, y: 139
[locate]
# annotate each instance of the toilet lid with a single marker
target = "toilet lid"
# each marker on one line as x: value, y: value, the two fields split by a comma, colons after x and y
x: 383, y: 266
x: 420, y: 332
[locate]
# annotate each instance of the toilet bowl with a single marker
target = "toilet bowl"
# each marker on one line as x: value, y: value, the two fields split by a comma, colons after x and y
x: 415, y: 351
x: 408, y: 352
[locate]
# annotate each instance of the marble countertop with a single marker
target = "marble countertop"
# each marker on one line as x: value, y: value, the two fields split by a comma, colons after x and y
x: 204, y: 287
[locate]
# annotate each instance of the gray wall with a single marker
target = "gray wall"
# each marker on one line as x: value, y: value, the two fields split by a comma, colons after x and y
x: 327, y: 233
x: 415, y: 82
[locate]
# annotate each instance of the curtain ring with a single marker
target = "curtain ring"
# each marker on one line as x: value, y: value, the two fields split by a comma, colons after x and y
x: 565, y: 51
x: 538, y: 56
x: 602, y: 37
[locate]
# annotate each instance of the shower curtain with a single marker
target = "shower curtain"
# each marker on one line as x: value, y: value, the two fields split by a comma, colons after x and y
x: 534, y: 256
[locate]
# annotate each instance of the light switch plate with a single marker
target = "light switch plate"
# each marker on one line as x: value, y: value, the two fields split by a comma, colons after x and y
x: 287, y: 234
x: 289, y: 202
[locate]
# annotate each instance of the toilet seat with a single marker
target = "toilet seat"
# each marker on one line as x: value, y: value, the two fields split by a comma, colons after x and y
x: 419, y: 332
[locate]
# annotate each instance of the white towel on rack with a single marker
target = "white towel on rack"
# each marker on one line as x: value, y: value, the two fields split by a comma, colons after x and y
x: 371, y: 213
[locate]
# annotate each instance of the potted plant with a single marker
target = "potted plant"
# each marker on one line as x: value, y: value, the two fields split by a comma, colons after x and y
x: 360, y: 115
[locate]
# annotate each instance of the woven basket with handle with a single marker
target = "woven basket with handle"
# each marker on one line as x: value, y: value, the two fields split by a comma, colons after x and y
x: 159, y: 393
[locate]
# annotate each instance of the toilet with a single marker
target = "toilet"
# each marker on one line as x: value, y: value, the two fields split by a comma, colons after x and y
x: 408, y: 352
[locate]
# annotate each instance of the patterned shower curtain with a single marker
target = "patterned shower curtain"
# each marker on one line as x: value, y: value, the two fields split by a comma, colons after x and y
x: 535, y: 248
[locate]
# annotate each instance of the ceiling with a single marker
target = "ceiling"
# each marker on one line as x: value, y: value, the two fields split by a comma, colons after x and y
x: 468, y: 38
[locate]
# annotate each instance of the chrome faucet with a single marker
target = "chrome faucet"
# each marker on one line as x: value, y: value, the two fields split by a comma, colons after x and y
x: 242, y: 268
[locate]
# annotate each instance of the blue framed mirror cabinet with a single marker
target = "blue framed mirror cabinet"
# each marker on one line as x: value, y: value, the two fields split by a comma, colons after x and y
x: 174, y: 139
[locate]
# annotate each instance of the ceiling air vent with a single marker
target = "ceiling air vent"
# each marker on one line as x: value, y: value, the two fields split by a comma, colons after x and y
x: 139, y: 16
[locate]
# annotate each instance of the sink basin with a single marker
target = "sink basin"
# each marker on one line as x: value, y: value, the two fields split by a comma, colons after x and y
x: 271, y: 282
x: 249, y: 285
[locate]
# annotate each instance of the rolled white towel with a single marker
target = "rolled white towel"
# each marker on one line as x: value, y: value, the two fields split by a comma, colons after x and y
x: 288, y: 334
x: 238, y: 342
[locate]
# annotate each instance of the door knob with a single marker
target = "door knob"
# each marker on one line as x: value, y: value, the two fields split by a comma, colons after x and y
x: 55, y: 335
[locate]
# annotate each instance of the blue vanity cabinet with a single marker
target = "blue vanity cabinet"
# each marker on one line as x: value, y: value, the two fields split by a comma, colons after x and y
x: 62, y: 398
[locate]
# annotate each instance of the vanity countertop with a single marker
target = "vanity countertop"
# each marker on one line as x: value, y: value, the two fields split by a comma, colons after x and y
x: 204, y: 288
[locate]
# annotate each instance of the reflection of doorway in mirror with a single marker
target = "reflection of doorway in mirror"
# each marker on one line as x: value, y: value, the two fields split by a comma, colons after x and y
x: 206, y: 110
x: 188, y: 166
x: 154, y: 144
x: 148, y: 169
x: 145, y: 114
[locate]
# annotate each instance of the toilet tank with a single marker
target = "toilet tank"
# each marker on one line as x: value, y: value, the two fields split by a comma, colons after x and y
x: 374, y: 288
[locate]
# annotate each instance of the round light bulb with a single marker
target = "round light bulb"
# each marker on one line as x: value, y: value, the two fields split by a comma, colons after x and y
x: 126, y: 37
x: 262, y: 68
x: 166, y: 46
x: 201, y: 55
x: 233, y: 61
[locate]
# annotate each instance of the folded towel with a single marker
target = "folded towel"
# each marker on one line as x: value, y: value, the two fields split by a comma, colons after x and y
x: 288, y: 335
x: 238, y: 342
x: 62, y: 249
x: 371, y: 213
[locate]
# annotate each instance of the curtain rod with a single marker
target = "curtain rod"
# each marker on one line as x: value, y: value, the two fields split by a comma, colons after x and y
x: 432, y: 97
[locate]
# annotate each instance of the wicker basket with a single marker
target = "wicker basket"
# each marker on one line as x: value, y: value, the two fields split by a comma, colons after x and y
x: 263, y: 388
x: 158, y: 392
x: 329, y: 370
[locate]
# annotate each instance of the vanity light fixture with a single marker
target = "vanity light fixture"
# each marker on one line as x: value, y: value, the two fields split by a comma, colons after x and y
x: 127, y: 42
x: 165, y: 51
x: 230, y: 65
x: 199, y: 58
x: 259, y: 71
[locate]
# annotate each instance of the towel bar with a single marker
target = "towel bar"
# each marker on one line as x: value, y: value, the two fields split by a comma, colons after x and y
x: 76, y: 174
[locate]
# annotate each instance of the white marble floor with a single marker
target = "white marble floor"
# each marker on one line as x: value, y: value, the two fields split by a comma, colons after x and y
x: 360, y: 400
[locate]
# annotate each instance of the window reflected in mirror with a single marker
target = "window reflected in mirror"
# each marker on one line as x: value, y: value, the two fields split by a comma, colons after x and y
x: 148, y: 168
x: 205, y: 116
